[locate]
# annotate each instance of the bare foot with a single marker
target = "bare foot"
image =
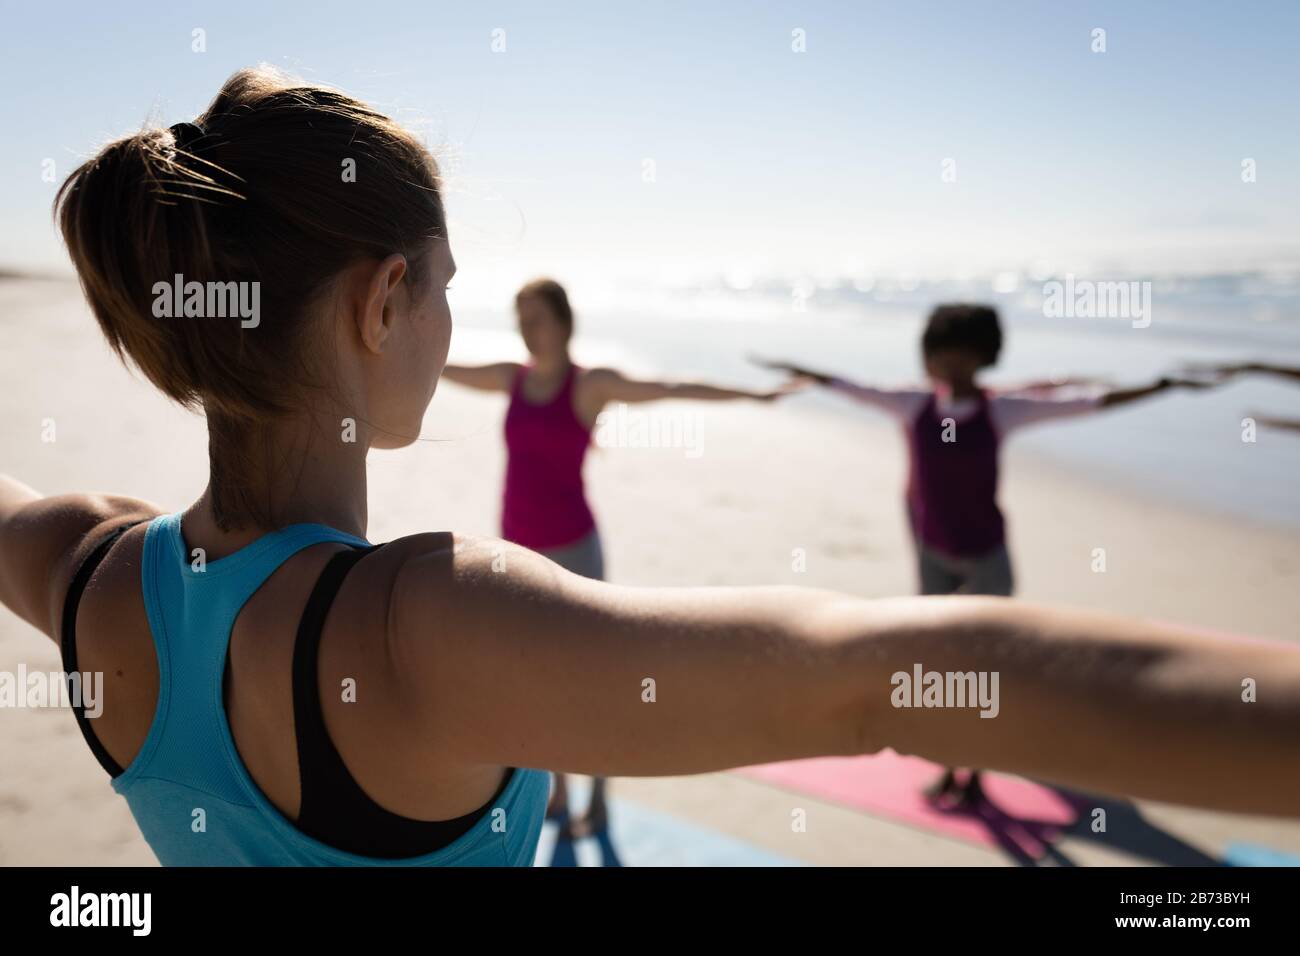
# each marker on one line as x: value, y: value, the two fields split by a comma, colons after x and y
x: 965, y: 794
x: 975, y: 789
x: 944, y: 786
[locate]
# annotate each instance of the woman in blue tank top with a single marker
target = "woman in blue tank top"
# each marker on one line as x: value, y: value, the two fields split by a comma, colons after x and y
x: 279, y: 690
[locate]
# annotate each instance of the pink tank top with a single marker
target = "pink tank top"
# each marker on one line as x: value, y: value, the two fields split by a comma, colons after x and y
x: 544, y: 504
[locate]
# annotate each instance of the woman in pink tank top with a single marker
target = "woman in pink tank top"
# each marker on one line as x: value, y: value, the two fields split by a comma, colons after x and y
x: 553, y: 408
x: 543, y: 505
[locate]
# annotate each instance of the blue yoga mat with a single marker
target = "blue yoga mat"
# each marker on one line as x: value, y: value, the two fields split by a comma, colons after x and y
x: 639, y: 836
x: 1247, y: 854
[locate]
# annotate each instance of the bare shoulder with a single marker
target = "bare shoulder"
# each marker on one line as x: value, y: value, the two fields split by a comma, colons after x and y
x: 47, y: 539
x: 454, y: 576
x: 601, y: 376
x: 466, y: 620
x: 83, y: 519
x: 462, y: 596
x: 597, y: 386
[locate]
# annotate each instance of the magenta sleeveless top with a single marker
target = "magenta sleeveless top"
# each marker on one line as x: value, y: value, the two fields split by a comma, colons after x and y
x: 544, y: 504
x: 953, y: 487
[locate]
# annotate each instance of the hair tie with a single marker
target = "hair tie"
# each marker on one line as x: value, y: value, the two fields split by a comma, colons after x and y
x: 186, y: 133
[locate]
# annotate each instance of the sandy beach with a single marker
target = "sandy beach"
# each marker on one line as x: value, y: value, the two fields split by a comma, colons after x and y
x: 776, y: 495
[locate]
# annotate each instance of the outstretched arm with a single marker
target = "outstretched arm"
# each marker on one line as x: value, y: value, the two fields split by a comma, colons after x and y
x: 40, y: 537
x: 19, y: 576
x: 799, y: 371
x: 609, y: 385
x: 488, y: 378
x: 1014, y: 410
x: 901, y: 403
x: 1282, y: 370
x: 1123, y: 396
x: 1227, y: 371
x: 1052, y: 384
x: 1270, y: 421
x: 529, y: 665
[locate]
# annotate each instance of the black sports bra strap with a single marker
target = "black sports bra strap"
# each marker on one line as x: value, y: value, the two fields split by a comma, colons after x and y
x: 68, y: 638
x: 333, y: 808
x: 319, y: 766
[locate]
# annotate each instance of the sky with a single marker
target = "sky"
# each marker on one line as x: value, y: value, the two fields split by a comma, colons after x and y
x: 765, y: 161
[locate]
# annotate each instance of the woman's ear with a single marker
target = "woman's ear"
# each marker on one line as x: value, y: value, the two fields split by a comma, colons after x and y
x: 380, y: 300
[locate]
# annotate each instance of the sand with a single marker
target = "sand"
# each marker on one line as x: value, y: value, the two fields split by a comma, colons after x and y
x: 777, y: 495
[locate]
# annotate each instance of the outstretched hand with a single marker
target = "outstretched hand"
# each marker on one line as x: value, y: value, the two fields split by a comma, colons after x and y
x: 1226, y: 371
x: 1217, y: 372
x: 795, y: 383
x: 1177, y: 381
x: 1272, y: 421
x: 798, y: 372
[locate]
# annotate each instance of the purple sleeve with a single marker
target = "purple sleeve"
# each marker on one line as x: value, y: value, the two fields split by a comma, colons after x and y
x: 900, y: 403
x: 1015, y: 411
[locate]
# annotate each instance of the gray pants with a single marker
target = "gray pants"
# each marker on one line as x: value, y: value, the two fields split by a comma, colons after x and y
x: 583, y: 557
x: 984, y: 574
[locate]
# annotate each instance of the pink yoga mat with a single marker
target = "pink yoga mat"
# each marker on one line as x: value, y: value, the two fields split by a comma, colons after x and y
x: 1021, y: 812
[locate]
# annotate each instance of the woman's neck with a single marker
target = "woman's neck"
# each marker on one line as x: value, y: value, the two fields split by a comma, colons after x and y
x: 291, y: 474
x: 959, y: 390
x: 552, y: 366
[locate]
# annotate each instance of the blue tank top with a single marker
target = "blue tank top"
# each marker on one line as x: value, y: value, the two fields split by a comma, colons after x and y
x: 187, y: 788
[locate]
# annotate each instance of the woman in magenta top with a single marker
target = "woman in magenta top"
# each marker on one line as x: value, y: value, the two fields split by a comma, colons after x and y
x: 543, y: 505
x: 553, y: 408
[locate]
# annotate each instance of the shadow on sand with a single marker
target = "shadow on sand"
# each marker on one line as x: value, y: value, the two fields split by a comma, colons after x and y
x: 1033, y: 842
